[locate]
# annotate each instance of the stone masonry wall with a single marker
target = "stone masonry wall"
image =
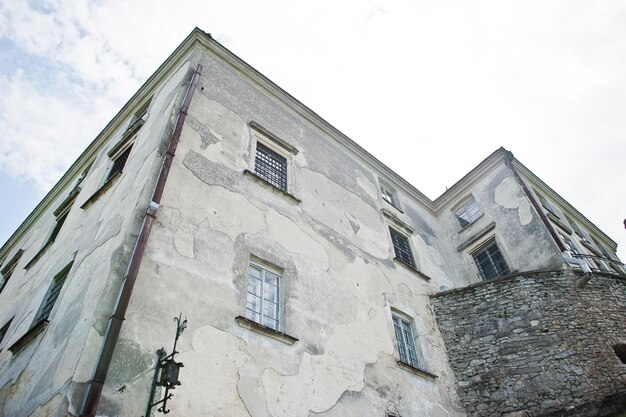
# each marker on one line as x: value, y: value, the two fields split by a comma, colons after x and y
x: 535, y: 345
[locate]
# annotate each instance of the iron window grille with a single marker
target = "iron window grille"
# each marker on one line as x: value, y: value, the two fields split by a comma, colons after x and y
x: 468, y: 213
x: 402, y: 248
x: 271, y: 166
x: 51, y: 297
x: 262, y: 302
x: 119, y: 163
x: 405, y: 340
x: 490, y: 262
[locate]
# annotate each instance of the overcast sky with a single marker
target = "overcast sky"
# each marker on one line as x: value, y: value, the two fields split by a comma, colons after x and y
x: 429, y: 87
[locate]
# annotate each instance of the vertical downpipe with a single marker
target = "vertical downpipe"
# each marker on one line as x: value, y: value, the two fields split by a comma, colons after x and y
x: 94, y: 390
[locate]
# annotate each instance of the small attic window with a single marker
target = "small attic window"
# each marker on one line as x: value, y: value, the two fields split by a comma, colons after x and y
x: 620, y: 351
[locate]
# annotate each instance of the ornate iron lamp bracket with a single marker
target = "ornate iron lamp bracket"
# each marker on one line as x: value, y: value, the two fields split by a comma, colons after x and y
x: 166, y: 371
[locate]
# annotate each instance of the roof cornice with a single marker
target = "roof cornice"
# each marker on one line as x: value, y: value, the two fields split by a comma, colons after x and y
x: 460, y: 188
x: 292, y: 104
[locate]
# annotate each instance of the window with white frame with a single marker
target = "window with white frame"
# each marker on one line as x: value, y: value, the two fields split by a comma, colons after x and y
x: 468, y: 212
x: 389, y: 195
x: 402, y: 248
x: 405, y: 340
x: 490, y: 261
x: 263, y: 297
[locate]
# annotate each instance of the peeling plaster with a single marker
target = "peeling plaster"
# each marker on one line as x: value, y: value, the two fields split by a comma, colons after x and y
x: 509, y: 195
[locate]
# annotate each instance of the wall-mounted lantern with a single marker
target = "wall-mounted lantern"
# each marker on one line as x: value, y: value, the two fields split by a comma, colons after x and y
x: 166, y: 372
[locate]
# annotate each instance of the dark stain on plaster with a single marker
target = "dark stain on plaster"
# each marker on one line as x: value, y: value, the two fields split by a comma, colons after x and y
x: 210, y: 172
x: 206, y: 135
x: 421, y: 227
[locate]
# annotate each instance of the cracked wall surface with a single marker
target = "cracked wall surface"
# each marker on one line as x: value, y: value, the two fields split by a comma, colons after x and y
x: 47, y: 376
x: 339, y: 282
x: 328, y: 234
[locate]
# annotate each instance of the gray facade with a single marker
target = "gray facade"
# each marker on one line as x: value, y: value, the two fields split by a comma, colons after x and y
x: 294, y: 254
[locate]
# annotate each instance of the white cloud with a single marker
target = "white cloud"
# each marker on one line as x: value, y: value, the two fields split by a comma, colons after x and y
x: 431, y: 88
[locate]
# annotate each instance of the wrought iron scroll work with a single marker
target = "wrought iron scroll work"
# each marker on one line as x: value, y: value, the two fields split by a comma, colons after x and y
x: 181, y: 325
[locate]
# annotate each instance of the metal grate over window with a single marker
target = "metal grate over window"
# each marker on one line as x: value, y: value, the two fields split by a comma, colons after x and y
x: 402, y: 248
x: 51, y: 298
x: 271, y: 166
x: 262, y: 301
x: 119, y: 163
x: 405, y: 341
x: 490, y: 262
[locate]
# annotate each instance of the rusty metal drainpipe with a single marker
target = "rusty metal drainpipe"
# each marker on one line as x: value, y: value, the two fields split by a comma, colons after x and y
x: 94, y: 390
x: 542, y: 216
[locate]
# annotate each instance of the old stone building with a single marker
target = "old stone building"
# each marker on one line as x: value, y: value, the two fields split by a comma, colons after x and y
x: 315, y: 281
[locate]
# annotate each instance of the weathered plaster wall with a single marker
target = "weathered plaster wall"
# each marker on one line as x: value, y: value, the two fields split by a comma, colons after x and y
x: 537, y: 345
x: 339, y: 281
x: 47, y: 377
x: 522, y: 237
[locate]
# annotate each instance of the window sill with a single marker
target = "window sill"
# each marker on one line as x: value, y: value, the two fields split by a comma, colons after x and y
x: 412, y: 269
x: 393, y: 205
x: 463, y: 229
x: 264, y: 330
x: 30, y: 335
x: 38, y: 255
x: 417, y: 371
x: 95, y: 196
x: 477, y: 237
x: 262, y: 181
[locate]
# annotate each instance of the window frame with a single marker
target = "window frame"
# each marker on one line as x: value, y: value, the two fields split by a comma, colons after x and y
x: 408, y: 250
x: 116, y: 169
x: 389, y: 194
x: 401, y: 342
x: 9, y: 268
x: 4, y: 330
x: 264, y: 268
x: 464, y: 208
x: 546, y: 204
x: 282, y: 149
x: 487, y: 243
x: 50, y: 299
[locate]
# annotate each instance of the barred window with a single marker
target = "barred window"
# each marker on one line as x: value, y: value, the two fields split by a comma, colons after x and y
x: 468, y: 213
x: 405, y: 340
x: 490, y: 262
x: 271, y: 166
x: 51, y: 297
x: 119, y: 163
x: 402, y: 248
x: 262, y: 303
